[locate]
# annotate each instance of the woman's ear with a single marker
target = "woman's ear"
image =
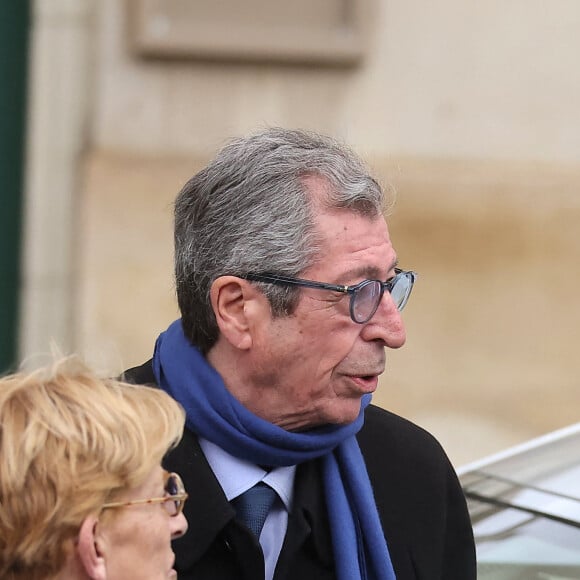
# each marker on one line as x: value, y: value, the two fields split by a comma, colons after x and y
x: 237, y: 306
x: 90, y: 549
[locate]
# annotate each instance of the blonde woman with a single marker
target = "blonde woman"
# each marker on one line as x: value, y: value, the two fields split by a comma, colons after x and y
x: 82, y: 492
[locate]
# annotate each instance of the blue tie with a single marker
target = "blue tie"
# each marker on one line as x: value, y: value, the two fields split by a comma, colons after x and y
x: 253, y: 506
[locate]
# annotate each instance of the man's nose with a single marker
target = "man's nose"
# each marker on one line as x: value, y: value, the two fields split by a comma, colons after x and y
x: 386, y: 324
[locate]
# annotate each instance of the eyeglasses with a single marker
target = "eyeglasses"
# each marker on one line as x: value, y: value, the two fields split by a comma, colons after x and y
x: 365, y: 296
x: 173, y: 502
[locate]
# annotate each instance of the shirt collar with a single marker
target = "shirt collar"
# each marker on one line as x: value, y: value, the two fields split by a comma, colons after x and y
x: 237, y: 475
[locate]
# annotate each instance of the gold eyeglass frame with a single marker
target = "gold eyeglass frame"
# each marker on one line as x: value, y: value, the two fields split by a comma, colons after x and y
x: 177, y: 499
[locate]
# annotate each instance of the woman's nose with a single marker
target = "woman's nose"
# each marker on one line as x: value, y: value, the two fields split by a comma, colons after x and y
x: 178, y: 526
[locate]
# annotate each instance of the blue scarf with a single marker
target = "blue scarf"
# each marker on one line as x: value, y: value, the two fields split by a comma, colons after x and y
x: 359, y: 544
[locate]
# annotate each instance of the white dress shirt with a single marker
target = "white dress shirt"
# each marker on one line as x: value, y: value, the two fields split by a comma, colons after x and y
x: 237, y: 476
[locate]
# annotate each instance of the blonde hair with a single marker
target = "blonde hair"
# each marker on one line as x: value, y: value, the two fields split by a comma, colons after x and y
x: 69, y: 442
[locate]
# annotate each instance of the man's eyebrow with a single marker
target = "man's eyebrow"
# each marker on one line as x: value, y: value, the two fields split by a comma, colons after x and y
x: 368, y: 272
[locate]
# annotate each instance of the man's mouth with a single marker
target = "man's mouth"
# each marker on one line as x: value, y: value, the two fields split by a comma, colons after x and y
x: 367, y: 383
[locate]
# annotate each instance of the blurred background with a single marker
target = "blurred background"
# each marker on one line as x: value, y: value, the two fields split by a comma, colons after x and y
x: 469, y: 110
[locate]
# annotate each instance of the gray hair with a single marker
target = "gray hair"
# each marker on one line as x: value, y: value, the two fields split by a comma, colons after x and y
x: 250, y: 211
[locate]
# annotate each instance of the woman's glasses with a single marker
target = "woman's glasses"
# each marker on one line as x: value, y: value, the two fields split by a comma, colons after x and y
x: 173, y: 501
x: 365, y: 296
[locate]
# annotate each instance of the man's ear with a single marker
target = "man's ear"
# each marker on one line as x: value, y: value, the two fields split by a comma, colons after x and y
x: 89, y: 549
x: 237, y: 304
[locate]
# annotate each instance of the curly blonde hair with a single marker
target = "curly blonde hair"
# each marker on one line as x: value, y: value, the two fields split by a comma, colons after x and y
x: 70, y: 442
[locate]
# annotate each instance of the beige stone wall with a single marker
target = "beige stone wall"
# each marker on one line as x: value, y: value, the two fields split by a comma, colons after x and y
x: 491, y: 358
x: 490, y: 79
x: 469, y: 109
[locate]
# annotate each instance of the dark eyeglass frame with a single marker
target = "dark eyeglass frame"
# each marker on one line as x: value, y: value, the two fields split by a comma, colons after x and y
x: 353, y: 291
x: 173, y: 502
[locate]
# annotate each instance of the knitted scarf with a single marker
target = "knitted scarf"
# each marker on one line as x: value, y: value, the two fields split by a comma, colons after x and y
x: 359, y: 544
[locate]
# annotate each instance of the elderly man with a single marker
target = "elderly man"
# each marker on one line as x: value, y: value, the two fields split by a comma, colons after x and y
x: 289, y: 292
